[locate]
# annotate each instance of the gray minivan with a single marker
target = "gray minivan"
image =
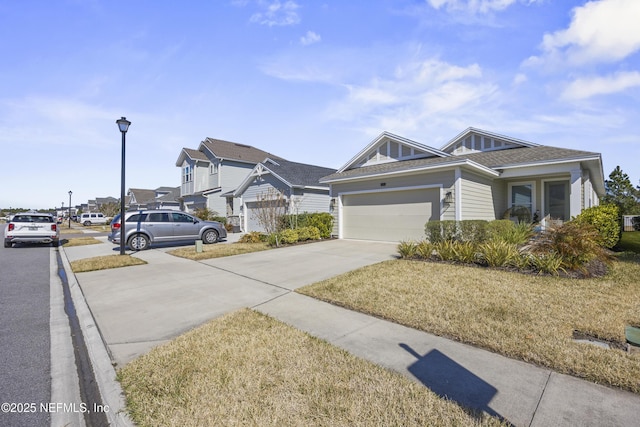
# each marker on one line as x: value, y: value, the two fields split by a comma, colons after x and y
x: 142, y: 228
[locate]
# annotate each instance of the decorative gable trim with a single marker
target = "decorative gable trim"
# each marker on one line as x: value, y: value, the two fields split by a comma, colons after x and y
x: 473, y: 140
x: 259, y: 170
x: 388, y: 147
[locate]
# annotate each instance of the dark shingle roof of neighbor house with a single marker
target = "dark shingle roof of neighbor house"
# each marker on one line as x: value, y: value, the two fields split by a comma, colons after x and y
x: 493, y: 159
x: 143, y: 196
x: 234, y: 151
x: 195, y: 154
x: 298, y: 174
x: 172, y: 196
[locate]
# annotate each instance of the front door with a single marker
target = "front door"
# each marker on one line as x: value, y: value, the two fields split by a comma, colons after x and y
x: 556, y: 200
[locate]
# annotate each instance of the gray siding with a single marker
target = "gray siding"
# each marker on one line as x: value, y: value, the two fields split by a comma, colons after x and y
x: 477, y: 197
x: 266, y: 184
x: 313, y: 200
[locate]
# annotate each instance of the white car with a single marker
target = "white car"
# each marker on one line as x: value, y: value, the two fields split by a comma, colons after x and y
x: 31, y: 227
x: 93, y: 218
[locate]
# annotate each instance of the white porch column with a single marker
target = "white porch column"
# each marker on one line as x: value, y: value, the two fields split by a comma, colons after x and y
x: 575, y: 198
x: 458, y: 194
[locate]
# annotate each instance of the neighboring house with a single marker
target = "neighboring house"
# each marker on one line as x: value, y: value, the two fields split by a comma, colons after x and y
x: 212, y: 173
x: 296, y: 183
x: 391, y: 188
x: 160, y: 198
x: 101, y: 201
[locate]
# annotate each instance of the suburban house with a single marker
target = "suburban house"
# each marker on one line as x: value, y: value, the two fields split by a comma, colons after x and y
x: 295, y: 185
x: 211, y: 174
x: 160, y: 198
x: 390, y: 189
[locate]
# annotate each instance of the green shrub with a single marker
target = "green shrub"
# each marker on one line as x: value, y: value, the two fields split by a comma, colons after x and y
x: 445, y: 250
x: 549, y: 263
x: 606, y: 220
x: 424, y: 249
x: 498, y: 253
x: 253, y: 237
x: 323, y: 221
x: 437, y: 231
x: 289, y: 236
x: 577, y: 244
x: 274, y: 239
x: 474, y: 231
x: 636, y: 223
x: 466, y: 252
x: 308, y: 233
x: 207, y: 214
x: 407, y: 249
x: 520, y: 233
x: 498, y: 228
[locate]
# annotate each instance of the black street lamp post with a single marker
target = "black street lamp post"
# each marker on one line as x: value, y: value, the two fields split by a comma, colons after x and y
x: 70, y: 192
x: 123, y: 125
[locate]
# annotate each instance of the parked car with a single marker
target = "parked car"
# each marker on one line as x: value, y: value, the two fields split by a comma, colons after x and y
x: 145, y: 227
x: 93, y: 218
x: 31, y: 227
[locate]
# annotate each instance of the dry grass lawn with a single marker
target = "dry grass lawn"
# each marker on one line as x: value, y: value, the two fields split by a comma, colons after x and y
x: 218, y: 250
x: 80, y: 241
x: 104, y: 262
x: 249, y: 369
x: 531, y: 318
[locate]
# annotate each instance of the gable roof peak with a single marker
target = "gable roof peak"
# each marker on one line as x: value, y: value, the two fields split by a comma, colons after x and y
x: 416, y: 150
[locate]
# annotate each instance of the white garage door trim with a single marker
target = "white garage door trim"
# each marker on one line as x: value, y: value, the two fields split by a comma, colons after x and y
x: 383, y: 190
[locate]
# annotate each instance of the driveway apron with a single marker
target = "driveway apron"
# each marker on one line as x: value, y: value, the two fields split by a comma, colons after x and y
x: 140, y: 307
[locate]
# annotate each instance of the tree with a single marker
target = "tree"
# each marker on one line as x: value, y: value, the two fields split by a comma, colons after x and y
x: 109, y: 209
x: 270, y: 206
x: 620, y: 192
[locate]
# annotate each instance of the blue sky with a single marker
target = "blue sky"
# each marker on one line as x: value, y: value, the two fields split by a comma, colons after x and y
x: 311, y: 81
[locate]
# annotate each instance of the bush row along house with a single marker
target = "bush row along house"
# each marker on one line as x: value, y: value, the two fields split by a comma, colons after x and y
x: 393, y: 186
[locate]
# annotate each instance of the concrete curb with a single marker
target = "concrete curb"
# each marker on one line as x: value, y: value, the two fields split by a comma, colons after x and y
x: 64, y: 374
x: 105, y: 374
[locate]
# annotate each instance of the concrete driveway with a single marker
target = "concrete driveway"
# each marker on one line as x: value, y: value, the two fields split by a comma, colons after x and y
x: 139, y: 307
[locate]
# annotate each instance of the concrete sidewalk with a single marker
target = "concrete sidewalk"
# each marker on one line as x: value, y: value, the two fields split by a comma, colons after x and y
x: 137, y: 308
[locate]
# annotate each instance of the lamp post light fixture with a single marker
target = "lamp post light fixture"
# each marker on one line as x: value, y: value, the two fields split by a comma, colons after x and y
x: 70, y: 192
x: 123, y: 125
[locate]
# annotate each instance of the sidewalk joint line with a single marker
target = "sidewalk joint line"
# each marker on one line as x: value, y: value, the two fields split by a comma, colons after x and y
x: 544, y: 389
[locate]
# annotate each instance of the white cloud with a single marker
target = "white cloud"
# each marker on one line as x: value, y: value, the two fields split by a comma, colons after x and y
x: 418, y: 94
x: 476, y: 6
x: 277, y: 13
x: 600, y: 32
x: 310, y: 38
x: 583, y: 88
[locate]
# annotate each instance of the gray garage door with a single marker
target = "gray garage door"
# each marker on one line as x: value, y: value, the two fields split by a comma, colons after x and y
x: 389, y: 215
x: 252, y: 220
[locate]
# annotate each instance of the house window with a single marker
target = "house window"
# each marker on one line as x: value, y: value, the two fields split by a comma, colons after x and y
x: 213, y: 168
x: 521, y: 201
x: 187, y: 174
x: 556, y: 199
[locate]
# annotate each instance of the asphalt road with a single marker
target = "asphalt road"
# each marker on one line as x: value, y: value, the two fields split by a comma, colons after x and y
x: 25, y: 362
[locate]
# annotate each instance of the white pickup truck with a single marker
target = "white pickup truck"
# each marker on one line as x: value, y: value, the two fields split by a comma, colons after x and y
x: 31, y: 227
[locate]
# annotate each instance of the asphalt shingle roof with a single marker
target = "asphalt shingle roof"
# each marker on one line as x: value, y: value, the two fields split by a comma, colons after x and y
x: 234, y: 151
x: 493, y: 159
x: 298, y: 174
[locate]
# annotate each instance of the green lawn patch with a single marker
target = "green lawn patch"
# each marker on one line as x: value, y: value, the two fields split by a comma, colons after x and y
x: 629, y: 241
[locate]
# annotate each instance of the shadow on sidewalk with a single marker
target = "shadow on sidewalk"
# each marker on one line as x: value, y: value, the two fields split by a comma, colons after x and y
x: 452, y: 381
